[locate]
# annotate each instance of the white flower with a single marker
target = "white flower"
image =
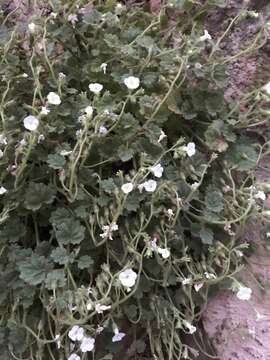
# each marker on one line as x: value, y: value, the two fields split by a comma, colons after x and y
x: 57, y: 340
x: 89, y: 290
x: 170, y: 213
x: 165, y: 253
x: 127, y: 278
x: 161, y: 136
x: 157, y: 170
x: 76, y: 333
x: 108, y: 230
x: 198, y: 286
x: 100, y: 308
x: 244, y: 293
x: 198, y: 66
x: 149, y: 186
x: 41, y: 138
x: 53, y: 98
x: 127, y: 188
x: 190, y: 149
x: 260, y: 195
x: 267, y: 88
x: 239, y: 253
x: 32, y: 27
x: 31, y: 123
x: 65, y: 152
x: 154, y: 244
x: 3, y: 190
x: 195, y: 185
x: 3, y: 139
x: 89, y: 306
x: 95, y: 88
x: 259, y: 316
x: 99, y: 329
x: 253, y: 14
x: 206, y: 36
x: 132, y: 82
x: 191, y: 328
x: 87, y: 344
x: 73, y: 18
x: 89, y: 110
x: 74, y: 357
x: 53, y: 15
x: 185, y: 352
x: 11, y: 168
x: 44, y: 111
x: 118, y: 336
x: 209, y: 275
x: 103, y: 67
x: 23, y: 142
x: 62, y: 76
x: 24, y: 75
x: 82, y: 119
x: 103, y: 130
x: 186, y: 281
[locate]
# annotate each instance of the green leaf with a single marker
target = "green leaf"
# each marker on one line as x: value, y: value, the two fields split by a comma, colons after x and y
x: 70, y: 232
x: 26, y: 295
x: 38, y: 194
x: 34, y: 269
x: 60, y: 215
x: 56, y: 161
x: 138, y: 346
x: 206, y: 235
x: 108, y: 185
x: 150, y: 79
x: 145, y: 41
x: 131, y: 311
x: 214, y: 200
x: 219, y: 75
x: 17, y: 338
x: 55, y: 279
x: 85, y: 262
x: 125, y: 154
x: 172, y: 103
x: 132, y: 202
x: 92, y: 18
x: 4, y: 34
x: 12, y: 230
x: 3, y: 335
x: 82, y: 212
x: 214, y: 102
x: 242, y: 156
x: 147, y: 104
x: 61, y: 256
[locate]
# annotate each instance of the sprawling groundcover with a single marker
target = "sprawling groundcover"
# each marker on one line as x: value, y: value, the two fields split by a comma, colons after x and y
x: 126, y: 179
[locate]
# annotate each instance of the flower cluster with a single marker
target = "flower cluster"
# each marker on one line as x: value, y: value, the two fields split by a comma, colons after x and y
x: 113, y: 200
x: 87, y: 343
x: 108, y: 231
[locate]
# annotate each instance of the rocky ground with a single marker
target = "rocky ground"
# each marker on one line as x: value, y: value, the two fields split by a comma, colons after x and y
x: 240, y: 330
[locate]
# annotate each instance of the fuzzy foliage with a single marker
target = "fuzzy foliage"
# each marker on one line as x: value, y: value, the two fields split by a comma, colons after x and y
x: 59, y: 250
